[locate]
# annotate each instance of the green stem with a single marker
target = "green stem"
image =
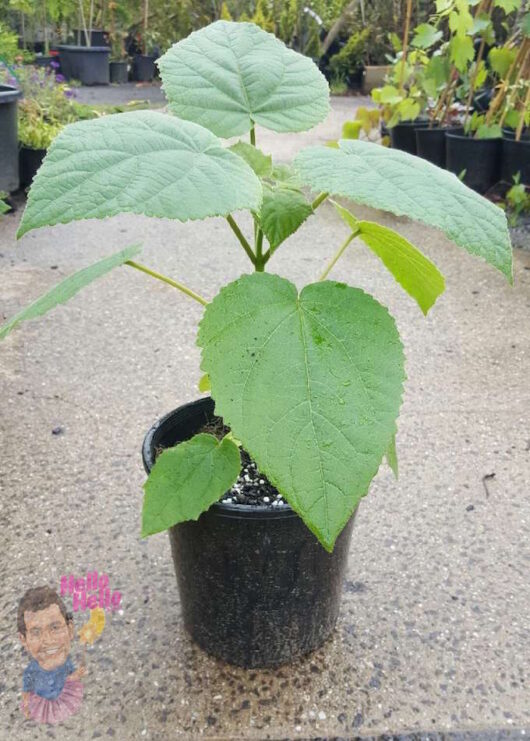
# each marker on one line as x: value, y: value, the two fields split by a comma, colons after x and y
x: 253, y: 136
x: 318, y: 200
x: 167, y: 280
x: 260, y: 262
x: 338, y: 254
x: 267, y: 256
x: 237, y: 231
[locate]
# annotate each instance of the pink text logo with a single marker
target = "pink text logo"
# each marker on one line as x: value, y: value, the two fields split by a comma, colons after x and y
x: 90, y: 591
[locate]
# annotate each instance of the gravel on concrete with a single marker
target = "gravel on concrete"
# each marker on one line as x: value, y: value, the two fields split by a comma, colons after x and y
x: 434, y: 631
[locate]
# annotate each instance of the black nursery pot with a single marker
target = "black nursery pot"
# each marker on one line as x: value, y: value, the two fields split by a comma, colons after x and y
x: 143, y: 68
x: 256, y: 587
x: 29, y: 162
x: 98, y: 37
x: 119, y: 73
x: 403, y: 135
x: 480, y: 158
x: 9, y: 176
x: 88, y: 64
x: 515, y: 158
x: 430, y: 144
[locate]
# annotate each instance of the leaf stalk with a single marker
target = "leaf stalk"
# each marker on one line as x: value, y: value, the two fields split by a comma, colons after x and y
x: 175, y: 284
x: 338, y: 254
x: 239, y: 234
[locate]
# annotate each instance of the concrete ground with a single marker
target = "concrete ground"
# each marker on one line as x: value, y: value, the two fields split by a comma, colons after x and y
x: 117, y: 94
x: 434, y: 631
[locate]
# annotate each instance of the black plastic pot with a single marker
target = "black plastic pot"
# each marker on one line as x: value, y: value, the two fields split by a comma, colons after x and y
x: 29, y: 162
x: 480, y: 158
x: 98, y: 37
x: 256, y: 587
x: 515, y: 157
x: 88, y: 64
x: 143, y: 68
x: 430, y: 144
x: 118, y: 72
x: 403, y: 135
x: 9, y: 176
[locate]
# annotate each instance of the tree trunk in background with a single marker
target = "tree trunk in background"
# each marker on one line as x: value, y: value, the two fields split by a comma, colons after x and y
x: 337, y: 26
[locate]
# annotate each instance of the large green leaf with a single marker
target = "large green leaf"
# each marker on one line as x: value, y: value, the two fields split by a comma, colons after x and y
x: 142, y: 162
x: 229, y: 75
x: 282, y: 212
x: 462, y: 52
x: 420, y: 278
x: 67, y: 288
x: 409, y: 186
x: 310, y: 384
x: 426, y: 35
x: 187, y: 479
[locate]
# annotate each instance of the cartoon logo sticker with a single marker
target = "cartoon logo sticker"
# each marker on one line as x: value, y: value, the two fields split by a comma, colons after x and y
x: 52, y: 687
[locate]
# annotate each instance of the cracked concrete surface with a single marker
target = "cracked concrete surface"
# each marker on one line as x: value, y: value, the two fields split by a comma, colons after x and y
x: 434, y: 631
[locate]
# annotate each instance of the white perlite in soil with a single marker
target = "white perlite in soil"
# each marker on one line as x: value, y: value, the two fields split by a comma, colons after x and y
x: 253, y: 488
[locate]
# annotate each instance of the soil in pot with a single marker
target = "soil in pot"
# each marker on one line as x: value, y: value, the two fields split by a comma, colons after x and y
x: 256, y: 587
x: 480, y: 158
x: 89, y: 65
x: 118, y: 71
x: 143, y: 69
x: 29, y: 162
x: 9, y: 175
x: 403, y: 135
x: 515, y: 158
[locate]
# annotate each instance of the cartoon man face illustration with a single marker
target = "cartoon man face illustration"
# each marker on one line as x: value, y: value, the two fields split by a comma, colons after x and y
x: 48, y: 636
x: 51, y: 687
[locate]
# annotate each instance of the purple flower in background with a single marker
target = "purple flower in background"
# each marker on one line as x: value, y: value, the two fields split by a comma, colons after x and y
x: 60, y: 78
x: 54, y: 64
x: 69, y: 94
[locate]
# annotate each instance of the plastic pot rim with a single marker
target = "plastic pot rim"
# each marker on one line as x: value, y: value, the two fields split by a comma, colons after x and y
x: 8, y: 94
x: 220, y: 509
x: 465, y: 137
x: 73, y: 48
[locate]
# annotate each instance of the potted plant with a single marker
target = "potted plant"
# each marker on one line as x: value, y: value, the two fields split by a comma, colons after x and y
x: 9, y: 176
x: 143, y: 63
x: 119, y: 17
x: 403, y: 99
x: 258, y: 483
x: 510, y: 110
x: 35, y: 135
x: 44, y: 107
x: 477, y: 147
x: 85, y: 61
x: 379, y: 49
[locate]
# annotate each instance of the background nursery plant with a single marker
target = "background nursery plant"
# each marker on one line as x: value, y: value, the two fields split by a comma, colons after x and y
x: 321, y: 433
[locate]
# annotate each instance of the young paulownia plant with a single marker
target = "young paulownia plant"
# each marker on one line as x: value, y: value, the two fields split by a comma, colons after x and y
x: 309, y: 383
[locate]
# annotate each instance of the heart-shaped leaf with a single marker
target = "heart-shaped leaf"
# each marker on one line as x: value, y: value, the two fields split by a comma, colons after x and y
x: 310, y: 384
x: 229, y: 75
x: 187, y: 479
x: 68, y: 287
x: 409, y: 186
x: 142, y: 162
